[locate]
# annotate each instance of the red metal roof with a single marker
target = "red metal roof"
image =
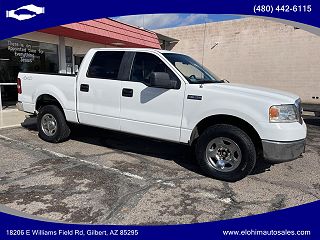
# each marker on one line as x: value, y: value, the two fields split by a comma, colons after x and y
x: 108, y: 32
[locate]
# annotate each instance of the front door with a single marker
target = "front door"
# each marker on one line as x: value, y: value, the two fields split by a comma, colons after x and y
x: 150, y: 111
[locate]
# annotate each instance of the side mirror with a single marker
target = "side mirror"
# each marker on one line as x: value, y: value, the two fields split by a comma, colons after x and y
x: 162, y: 80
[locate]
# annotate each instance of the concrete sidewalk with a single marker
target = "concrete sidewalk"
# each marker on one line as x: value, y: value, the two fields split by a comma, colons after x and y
x: 11, y: 118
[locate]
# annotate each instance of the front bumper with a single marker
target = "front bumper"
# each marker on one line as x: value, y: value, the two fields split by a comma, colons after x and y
x: 277, y: 152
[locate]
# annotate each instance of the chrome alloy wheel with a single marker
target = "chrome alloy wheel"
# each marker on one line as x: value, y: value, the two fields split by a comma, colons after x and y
x: 49, y: 124
x: 223, y: 154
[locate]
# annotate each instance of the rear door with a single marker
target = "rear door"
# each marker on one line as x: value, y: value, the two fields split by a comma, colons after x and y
x: 99, y: 90
x: 150, y: 111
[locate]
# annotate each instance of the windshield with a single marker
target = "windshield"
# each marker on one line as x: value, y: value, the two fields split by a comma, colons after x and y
x: 191, y: 70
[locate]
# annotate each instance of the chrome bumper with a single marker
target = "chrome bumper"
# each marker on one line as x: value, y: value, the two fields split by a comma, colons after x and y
x: 19, y: 106
x: 282, y: 151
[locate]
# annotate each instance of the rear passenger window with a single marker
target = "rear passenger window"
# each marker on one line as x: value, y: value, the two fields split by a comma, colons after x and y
x: 105, y: 65
x: 146, y: 63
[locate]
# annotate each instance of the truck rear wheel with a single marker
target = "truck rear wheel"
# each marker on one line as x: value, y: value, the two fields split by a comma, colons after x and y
x: 52, y: 125
x: 225, y: 152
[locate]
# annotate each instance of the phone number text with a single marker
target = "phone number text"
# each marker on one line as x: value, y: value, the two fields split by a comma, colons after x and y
x: 282, y: 8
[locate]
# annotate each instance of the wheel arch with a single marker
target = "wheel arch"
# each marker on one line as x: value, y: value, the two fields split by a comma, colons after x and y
x: 47, y: 99
x: 227, y: 119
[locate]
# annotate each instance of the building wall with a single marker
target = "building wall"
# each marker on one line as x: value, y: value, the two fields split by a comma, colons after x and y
x: 40, y: 37
x: 255, y: 51
x: 79, y: 47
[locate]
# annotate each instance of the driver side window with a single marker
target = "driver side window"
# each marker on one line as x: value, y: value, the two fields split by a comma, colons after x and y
x: 145, y: 64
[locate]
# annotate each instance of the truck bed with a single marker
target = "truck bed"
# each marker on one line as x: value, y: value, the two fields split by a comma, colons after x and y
x: 60, y: 86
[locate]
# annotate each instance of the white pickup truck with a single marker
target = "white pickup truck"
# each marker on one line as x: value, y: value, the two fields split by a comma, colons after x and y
x: 169, y: 96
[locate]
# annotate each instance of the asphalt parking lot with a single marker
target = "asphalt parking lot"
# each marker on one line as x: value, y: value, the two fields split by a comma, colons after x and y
x: 99, y: 176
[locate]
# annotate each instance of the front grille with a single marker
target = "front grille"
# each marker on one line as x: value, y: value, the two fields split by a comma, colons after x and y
x: 299, y: 109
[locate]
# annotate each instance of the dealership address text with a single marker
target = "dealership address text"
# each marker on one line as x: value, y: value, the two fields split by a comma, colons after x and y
x: 72, y: 232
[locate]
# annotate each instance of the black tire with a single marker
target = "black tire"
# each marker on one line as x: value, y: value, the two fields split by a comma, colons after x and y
x: 244, y: 143
x: 62, y: 131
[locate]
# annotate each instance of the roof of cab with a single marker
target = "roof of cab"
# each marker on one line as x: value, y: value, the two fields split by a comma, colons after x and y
x: 133, y: 50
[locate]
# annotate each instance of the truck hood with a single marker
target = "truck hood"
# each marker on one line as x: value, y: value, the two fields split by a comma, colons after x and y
x: 276, y: 96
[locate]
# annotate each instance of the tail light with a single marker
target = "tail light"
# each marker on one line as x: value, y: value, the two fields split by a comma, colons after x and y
x: 19, y: 86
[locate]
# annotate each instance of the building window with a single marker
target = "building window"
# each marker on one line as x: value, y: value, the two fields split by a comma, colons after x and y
x: 23, y: 55
x: 77, y: 62
x: 69, y: 63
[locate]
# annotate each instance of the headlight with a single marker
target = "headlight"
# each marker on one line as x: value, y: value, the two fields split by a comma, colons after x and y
x: 283, y: 113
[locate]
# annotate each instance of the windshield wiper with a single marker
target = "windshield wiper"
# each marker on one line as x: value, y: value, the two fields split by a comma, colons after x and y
x: 202, y: 81
x: 208, y: 81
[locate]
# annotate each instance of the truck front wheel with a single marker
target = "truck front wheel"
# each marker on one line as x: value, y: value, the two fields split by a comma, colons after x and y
x: 52, y: 125
x: 225, y: 152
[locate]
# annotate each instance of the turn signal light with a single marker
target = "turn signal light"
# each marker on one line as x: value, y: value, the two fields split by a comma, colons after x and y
x: 273, y: 113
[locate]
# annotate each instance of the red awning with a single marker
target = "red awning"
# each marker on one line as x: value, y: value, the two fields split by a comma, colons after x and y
x: 108, y: 32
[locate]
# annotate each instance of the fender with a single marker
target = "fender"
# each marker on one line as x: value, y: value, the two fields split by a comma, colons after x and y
x: 49, y: 89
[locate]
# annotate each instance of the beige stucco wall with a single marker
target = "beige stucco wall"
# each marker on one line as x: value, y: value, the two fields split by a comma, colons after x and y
x: 255, y: 51
x: 80, y: 47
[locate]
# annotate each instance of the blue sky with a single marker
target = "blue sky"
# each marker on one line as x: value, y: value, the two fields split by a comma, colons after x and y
x: 156, y: 21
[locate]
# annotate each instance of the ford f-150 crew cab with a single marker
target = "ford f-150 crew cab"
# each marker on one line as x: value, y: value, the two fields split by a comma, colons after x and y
x: 168, y: 96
